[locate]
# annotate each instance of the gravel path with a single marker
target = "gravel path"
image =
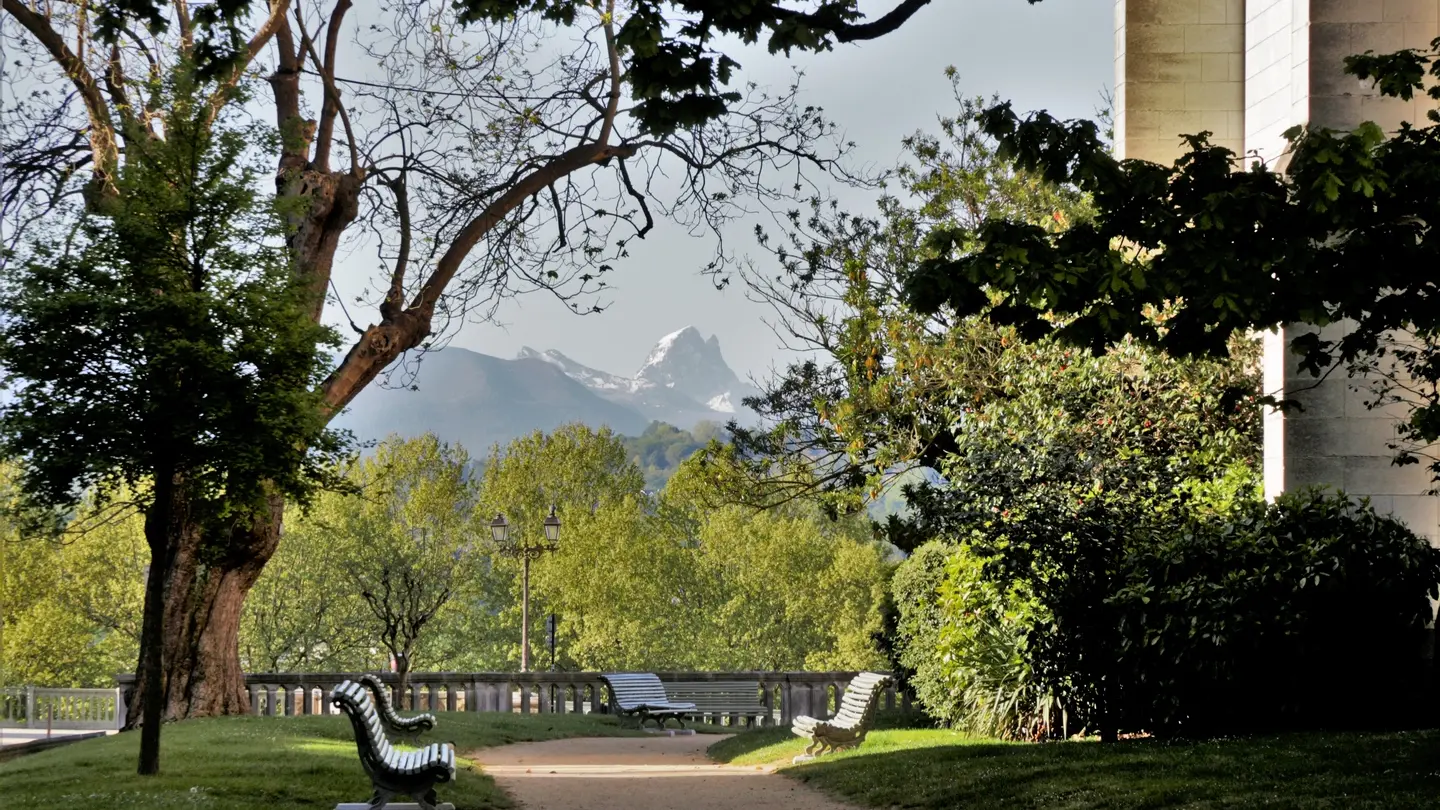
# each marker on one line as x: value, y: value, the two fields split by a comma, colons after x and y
x: 629, y: 773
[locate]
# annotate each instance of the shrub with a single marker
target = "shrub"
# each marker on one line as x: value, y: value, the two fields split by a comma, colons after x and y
x: 915, y: 600
x: 1305, y: 613
x: 982, y: 664
x: 1308, y: 612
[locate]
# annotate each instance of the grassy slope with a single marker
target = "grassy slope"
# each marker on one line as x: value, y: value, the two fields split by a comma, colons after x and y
x: 251, y: 762
x: 941, y: 769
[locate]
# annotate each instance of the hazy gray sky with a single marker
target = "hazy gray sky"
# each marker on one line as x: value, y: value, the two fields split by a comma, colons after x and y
x: 1055, y: 55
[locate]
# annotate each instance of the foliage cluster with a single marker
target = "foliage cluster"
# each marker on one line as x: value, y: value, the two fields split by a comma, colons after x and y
x: 1061, y: 618
x: 167, y: 337
x: 660, y: 450
x: 400, y: 567
x: 639, y: 580
x: 1116, y: 443
x: 1341, y: 236
x: 69, y: 609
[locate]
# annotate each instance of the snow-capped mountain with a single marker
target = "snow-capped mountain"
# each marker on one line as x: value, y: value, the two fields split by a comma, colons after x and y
x: 683, y: 380
x: 690, y: 364
x: 591, y: 378
x: 479, y: 400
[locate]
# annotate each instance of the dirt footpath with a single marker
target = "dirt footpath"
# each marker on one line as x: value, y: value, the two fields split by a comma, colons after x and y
x: 630, y: 773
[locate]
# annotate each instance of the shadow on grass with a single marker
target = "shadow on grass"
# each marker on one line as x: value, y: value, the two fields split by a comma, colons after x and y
x: 239, y: 763
x: 1400, y: 770
x: 774, y: 744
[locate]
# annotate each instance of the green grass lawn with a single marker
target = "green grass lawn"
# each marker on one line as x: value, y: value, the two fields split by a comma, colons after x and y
x: 246, y: 763
x: 928, y: 768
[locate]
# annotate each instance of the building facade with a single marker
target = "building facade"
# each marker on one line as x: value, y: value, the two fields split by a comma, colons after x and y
x: 1248, y: 70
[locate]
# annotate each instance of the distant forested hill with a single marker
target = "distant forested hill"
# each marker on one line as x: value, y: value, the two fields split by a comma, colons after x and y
x: 660, y: 449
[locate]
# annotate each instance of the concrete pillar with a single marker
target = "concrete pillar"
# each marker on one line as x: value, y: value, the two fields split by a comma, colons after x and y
x: 1248, y: 70
x: 1179, y: 69
x: 1336, y: 440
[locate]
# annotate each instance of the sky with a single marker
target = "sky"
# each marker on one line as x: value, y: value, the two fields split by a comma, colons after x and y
x: 1055, y: 55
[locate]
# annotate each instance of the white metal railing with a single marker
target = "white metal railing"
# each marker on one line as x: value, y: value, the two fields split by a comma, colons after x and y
x: 42, y: 707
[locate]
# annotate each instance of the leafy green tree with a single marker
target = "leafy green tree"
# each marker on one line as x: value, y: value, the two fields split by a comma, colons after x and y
x: 541, y: 197
x: 410, y: 539
x: 660, y: 450
x: 304, y: 615
x: 1182, y: 257
x: 618, y: 583
x: 886, y: 385
x: 69, y: 607
x: 160, y: 351
x: 1052, y: 464
x: 574, y: 468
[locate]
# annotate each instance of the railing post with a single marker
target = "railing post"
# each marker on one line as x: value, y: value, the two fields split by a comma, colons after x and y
x: 119, y: 708
x: 29, y: 707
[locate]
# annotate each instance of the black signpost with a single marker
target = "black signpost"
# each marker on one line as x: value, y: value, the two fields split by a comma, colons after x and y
x: 550, y: 633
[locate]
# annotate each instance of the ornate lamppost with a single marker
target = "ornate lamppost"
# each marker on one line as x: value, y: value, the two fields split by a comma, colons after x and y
x: 526, y: 551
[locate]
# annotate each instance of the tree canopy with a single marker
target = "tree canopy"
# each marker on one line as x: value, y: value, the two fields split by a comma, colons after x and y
x: 1184, y: 256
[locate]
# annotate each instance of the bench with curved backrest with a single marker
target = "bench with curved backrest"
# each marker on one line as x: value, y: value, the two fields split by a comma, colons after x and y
x: 408, y: 727
x: 716, y: 700
x: 392, y: 772
x: 852, y: 720
x: 641, y: 693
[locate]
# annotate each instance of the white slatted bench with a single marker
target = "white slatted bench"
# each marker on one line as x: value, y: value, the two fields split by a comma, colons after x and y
x: 408, y: 727
x: 640, y: 693
x: 852, y: 720
x: 392, y: 772
x: 720, y: 699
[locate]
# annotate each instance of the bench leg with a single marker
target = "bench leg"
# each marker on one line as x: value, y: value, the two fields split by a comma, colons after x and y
x: 427, y: 801
x: 381, y: 798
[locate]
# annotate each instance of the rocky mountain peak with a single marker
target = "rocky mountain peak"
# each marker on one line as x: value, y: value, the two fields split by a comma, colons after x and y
x: 689, y: 364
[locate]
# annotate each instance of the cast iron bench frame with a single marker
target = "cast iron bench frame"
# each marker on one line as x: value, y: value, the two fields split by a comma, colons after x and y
x: 852, y: 719
x: 411, y: 773
x: 641, y: 693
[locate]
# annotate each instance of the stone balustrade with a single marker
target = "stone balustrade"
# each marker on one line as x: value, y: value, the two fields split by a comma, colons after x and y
x: 786, y: 694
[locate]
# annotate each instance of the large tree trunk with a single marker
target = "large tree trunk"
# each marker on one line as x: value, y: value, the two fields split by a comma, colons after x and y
x: 207, y: 579
x: 204, y: 585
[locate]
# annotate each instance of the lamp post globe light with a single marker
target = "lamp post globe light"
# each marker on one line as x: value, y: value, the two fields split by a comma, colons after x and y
x: 526, y: 551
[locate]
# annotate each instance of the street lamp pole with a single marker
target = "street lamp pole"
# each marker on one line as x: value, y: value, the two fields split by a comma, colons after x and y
x: 526, y: 551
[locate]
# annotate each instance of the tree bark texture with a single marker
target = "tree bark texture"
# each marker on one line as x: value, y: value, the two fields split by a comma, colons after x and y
x: 207, y: 577
x: 203, y: 584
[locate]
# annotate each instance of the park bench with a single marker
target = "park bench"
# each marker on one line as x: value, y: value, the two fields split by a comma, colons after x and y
x: 852, y: 718
x: 392, y: 772
x: 720, y: 699
x: 640, y: 693
x: 408, y: 727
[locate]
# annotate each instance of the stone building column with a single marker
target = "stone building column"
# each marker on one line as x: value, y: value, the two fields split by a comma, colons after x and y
x: 1179, y: 69
x: 1336, y: 440
x: 1247, y: 70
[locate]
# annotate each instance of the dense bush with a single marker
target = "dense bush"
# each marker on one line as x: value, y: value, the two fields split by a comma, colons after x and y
x: 1305, y: 613
x: 989, y: 685
x: 1308, y: 612
x: 915, y: 600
